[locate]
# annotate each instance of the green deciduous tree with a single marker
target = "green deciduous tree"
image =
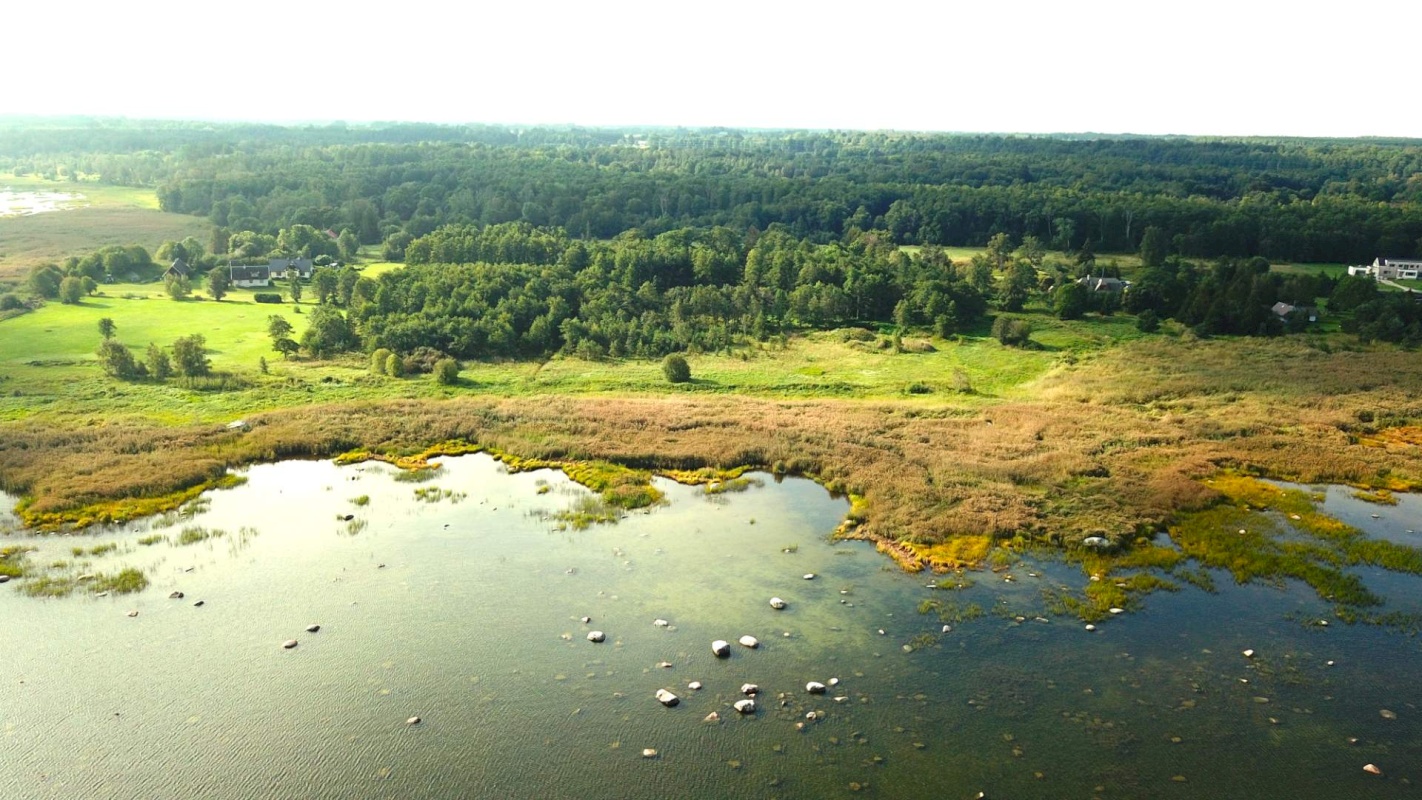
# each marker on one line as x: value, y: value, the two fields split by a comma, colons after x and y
x: 178, y: 287
x: 190, y: 354
x: 107, y: 328
x: 1153, y: 246
x: 71, y: 290
x: 159, y: 365
x: 1070, y: 301
x: 117, y: 360
x: 219, y: 280
x: 328, y: 332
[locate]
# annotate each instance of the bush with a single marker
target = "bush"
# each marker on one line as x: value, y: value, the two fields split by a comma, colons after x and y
x: 266, y: 297
x: 447, y: 371
x: 1148, y: 321
x: 393, y: 366
x: 676, y: 369
x: 378, y: 360
x: 1012, y: 332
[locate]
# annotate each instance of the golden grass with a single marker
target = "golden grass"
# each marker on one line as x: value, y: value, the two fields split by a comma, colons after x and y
x: 1114, y: 445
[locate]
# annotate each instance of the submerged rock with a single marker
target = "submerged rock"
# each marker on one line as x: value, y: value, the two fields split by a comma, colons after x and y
x: 199, y: 604
x: 746, y: 706
x: 413, y: 721
x: 289, y: 643
x: 175, y: 596
x: 666, y: 698
x: 133, y: 613
x: 749, y: 689
x: 749, y: 641
x: 776, y: 603
x: 585, y: 620
x: 721, y: 648
x: 312, y: 628
x: 664, y: 665
x: 596, y: 636
x: 712, y: 717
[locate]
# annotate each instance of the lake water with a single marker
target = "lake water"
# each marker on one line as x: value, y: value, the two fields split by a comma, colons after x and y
x: 18, y: 204
x: 465, y: 611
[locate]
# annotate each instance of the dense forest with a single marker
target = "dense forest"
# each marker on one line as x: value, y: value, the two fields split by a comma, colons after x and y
x: 601, y: 242
x: 1281, y: 199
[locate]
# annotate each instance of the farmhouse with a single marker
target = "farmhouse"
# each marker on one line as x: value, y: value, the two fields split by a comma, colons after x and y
x: 1100, y: 284
x: 1287, y: 312
x: 247, y: 277
x: 1389, y: 269
x: 279, y: 267
x: 178, y: 269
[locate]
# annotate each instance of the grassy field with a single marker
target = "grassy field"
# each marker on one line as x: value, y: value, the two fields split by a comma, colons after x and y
x: 110, y: 215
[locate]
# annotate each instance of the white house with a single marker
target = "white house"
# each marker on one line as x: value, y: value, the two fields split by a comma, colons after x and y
x: 248, y: 277
x: 1390, y: 269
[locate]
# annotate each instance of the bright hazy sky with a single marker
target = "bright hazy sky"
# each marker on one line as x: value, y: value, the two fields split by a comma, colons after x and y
x: 1243, y: 67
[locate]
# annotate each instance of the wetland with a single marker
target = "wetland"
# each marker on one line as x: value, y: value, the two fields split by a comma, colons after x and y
x: 459, y: 600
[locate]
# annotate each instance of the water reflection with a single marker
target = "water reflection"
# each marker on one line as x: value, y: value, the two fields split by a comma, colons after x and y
x: 465, y: 608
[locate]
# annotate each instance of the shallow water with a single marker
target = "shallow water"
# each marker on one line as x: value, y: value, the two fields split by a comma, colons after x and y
x: 19, y: 204
x: 457, y: 611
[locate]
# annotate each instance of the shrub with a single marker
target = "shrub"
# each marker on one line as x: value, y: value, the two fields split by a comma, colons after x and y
x: 378, y: 360
x: 11, y: 302
x: 266, y: 297
x: 1012, y: 332
x: 393, y: 366
x: 1148, y: 321
x: 447, y: 371
x: 675, y: 368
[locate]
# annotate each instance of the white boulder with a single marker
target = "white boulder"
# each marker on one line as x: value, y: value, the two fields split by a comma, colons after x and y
x: 666, y: 698
x: 721, y: 648
x: 749, y: 689
x: 596, y: 636
x: 746, y: 706
x: 749, y: 641
x: 776, y: 603
x: 815, y: 687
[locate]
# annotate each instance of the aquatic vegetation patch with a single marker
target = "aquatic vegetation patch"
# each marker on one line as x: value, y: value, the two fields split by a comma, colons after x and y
x: 49, y: 584
x: 111, y: 512
x: 13, y: 560
x: 362, y: 501
x: 150, y: 540
x: 586, y: 512
x: 196, y: 533
x: 958, y: 552
x: 434, y: 494
x: 1261, y: 532
x: 731, y: 485
x: 96, y: 550
x: 1381, y: 497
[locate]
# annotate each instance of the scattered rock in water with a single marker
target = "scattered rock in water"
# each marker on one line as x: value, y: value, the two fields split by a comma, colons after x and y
x: 746, y: 706
x: 664, y: 665
x: 694, y: 686
x: 349, y: 517
x: 908, y: 648
x: 750, y: 689
x: 712, y: 717
x: 809, y: 576
x: 947, y: 628
x: 596, y: 636
x: 1095, y: 541
x: 413, y: 721
x: 1384, y: 713
x: 380, y: 566
x: 585, y: 620
x: 660, y: 623
x: 776, y: 603
x: 175, y: 596
x: 721, y: 648
x: 648, y: 752
x: 1372, y: 769
x: 815, y: 687
x: 1115, y: 610
x: 312, y: 628
x: 133, y: 613
x: 749, y: 641
x: 833, y: 681
x: 812, y: 715
x: 289, y: 643
x: 881, y: 632
x: 1249, y: 654
x: 1090, y: 627
x: 199, y: 604
x: 666, y: 698
x: 4, y: 578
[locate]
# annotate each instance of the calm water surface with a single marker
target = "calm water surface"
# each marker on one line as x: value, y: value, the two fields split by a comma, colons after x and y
x: 465, y: 611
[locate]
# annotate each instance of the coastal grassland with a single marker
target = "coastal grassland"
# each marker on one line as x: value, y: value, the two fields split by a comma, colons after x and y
x: 107, y: 215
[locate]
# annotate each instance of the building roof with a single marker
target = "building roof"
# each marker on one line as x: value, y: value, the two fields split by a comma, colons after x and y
x: 178, y: 267
x: 260, y: 272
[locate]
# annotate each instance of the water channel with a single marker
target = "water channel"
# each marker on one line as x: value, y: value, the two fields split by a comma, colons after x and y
x: 463, y: 607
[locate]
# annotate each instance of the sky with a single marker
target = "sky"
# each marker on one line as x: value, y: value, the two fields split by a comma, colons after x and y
x: 1246, y: 67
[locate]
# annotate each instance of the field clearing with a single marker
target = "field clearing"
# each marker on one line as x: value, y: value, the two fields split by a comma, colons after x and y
x: 1331, y: 270
x: 109, y: 215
